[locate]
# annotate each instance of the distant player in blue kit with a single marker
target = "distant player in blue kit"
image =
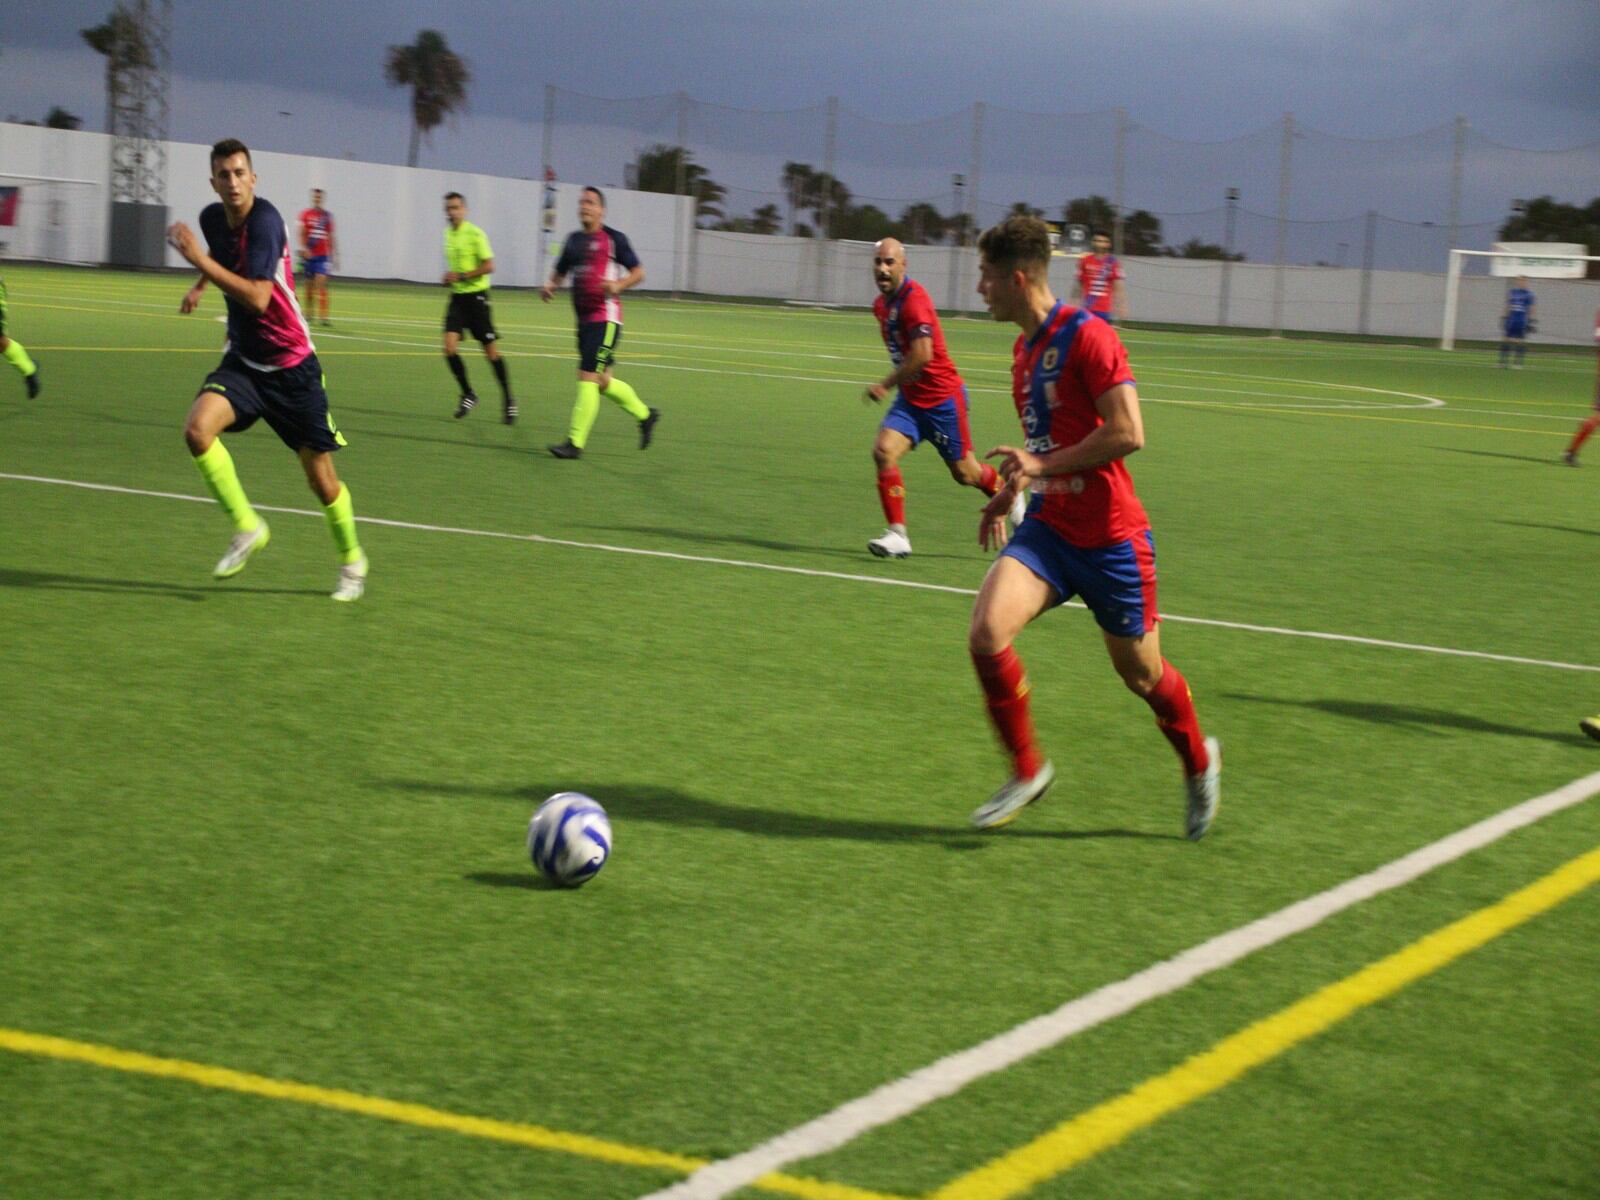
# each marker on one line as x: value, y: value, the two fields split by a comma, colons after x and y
x: 1518, y: 323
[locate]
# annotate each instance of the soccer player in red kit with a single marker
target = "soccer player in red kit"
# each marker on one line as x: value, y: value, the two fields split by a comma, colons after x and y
x: 931, y: 404
x: 1100, y: 281
x: 1570, y: 454
x: 316, y: 250
x: 1086, y: 533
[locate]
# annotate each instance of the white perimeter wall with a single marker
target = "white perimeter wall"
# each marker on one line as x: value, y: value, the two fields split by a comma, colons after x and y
x: 390, y: 226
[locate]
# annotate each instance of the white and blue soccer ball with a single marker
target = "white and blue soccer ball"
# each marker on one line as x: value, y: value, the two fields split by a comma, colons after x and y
x: 569, y: 839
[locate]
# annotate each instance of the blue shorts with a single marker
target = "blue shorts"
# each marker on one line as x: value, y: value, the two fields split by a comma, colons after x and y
x: 945, y: 425
x: 292, y: 401
x: 1117, y: 582
x: 316, y: 264
x: 1516, y: 326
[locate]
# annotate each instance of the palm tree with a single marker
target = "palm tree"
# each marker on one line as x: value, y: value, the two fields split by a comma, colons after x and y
x: 437, y: 77
x: 798, y: 181
x: 924, y: 223
x: 766, y: 219
x: 123, y: 43
x: 657, y: 169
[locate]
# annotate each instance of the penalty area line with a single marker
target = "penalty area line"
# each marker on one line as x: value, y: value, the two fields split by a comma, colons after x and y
x: 949, y: 1075
x: 819, y: 573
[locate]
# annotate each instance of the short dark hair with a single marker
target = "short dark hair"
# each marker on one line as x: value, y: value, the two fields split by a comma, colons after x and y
x: 455, y: 196
x: 1094, y: 233
x: 227, y: 148
x: 598, y: 194
x: 1018, y: 243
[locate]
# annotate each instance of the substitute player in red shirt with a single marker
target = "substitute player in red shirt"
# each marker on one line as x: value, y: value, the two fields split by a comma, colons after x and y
x: 931, y: 403
x: 1086, y: 533
x: 1570, y: 454
x: 316, y: 251
x: 1100, y: 281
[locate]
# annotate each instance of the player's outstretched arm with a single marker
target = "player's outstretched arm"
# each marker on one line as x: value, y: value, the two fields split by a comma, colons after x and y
x: 255, y: 293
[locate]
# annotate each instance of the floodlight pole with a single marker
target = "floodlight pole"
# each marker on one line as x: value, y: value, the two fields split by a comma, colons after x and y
x: 1283, y: 224
x: 680, y: 187
x: 1231, y: 211
x: 1367, y: 255
x: 1119, y: 171
x: 1457, y: 157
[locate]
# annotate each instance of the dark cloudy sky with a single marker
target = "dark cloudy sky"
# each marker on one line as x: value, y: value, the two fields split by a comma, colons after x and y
x: 1373, y: 86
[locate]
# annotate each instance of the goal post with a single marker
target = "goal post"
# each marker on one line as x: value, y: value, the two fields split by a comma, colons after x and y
x: 1535, y: 260
x: 47, y: 218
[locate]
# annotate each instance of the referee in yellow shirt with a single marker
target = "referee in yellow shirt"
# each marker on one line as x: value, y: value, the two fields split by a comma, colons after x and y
x: 471, y: 261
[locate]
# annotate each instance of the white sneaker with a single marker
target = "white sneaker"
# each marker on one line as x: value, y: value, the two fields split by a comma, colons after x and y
x: 352, y: 580
x: 1014, y: 796
x: 1204, y: 793
x: 1019, y: 509
x: 240, y: 549
x: 890, y: 545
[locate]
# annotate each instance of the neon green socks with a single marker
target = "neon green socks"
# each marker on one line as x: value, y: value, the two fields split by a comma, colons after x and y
x: 216, y: 468
x: 341, y: 516
x: 584, y: 411
x: 18, y: 358
x: 627, y: 399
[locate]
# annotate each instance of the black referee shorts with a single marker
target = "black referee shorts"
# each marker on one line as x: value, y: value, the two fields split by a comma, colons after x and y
x: 469, y: 313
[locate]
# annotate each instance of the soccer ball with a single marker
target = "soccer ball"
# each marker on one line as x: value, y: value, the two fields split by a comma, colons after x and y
x: 569, y: 839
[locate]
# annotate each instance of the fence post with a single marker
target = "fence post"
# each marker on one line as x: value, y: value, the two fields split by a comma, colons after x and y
x: 1363, y: 323
x: 1231, y: 212
x: 830, y: 136
x: 547, y: 175
x: 1283, y: 224
x: 1456, y: 159
x: 1119, y: 170
x: 974, y: 180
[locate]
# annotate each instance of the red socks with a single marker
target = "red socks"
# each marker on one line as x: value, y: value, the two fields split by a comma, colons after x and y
x: 892, y: 492
x: 1583, y: 433
x: 989, y: 481
x: 1175, y: 717
x: 1005, y: 691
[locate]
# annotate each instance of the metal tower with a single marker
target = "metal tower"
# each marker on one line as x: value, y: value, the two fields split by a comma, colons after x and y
x: 138, y: 85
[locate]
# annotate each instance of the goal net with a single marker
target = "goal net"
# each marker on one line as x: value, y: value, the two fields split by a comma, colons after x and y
x: 1565, y: 300
x: 48, y: 219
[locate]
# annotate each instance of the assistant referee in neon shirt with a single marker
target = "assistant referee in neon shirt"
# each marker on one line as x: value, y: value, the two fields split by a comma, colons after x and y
x: 470, y: 260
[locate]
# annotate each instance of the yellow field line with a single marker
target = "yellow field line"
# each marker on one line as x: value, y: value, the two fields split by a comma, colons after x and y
x: 22, y: 1042
x: 1107, y: 1124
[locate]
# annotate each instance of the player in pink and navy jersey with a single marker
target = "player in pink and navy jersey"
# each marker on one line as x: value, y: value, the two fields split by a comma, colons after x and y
x: 602, y: 264
x: 930, y: 401
x: 269, y: 368
x: 1100, y: 281
x: 1086, y: 533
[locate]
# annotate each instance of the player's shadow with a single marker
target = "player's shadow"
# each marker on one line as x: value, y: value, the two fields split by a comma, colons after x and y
x: 1545, y: 460
x: 14, y: 578
x: 668, y: 806
x: 1556, y: 528
x: 1435, y: 721
x: 708, y: 537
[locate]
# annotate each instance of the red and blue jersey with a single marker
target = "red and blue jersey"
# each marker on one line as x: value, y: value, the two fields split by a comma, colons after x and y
x: 259, y: 249
x: 906, y: 317
x: 591, y: 259
x: 316, y: 232
x: 1056, y: 376
x: 1096, y: 274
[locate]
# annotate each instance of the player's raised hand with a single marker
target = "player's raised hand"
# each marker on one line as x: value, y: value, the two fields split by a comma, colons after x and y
x: 1017, y: 467
x: 876, y: 393
x: 992, y: 534
x: 191, y: 299
x: 182, y: 239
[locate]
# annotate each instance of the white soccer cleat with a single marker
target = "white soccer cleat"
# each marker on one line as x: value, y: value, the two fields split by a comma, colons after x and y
x: 890, y: 545
x: 1019, y: 509
x: 1204, y: 793
x: 352, y: 580
x: 240, y: 549
x: 1014, y: 796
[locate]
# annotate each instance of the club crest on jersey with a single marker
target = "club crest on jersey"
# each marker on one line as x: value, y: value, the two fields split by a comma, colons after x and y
x: 1051, y: 357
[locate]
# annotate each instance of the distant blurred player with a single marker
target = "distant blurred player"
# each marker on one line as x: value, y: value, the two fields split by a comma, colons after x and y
x: 316, y: 249
x: 470, y: 261
x: 269, y: 368
x: 602, y: 264
x: 1591, y: 726
x: 931, y: 403
x: 11, y: 350
x: 1570, y: 454
x: 1086, y: 533
x: 1517, y: 323
x: 1100, y: 281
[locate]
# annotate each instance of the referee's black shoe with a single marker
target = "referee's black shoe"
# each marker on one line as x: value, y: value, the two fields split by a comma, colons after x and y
x: 33, y: 384
x: 467, y: 403
x: 566, y: 450
x: 647, y: 428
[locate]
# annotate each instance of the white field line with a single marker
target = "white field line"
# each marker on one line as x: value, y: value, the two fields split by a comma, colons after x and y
x: 950, y: 1074
x: 813, y: 572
